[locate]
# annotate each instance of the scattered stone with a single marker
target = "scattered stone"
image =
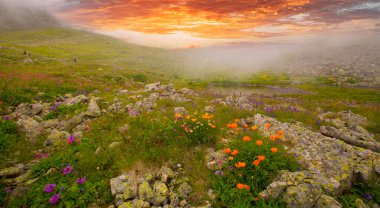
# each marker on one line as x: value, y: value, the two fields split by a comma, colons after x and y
x: 36, y: 109
x: 161, y: 193
x: 184, y: 190
x: 165, y: 173
x: 119, y: 184
x: 93, y: 109
x: 215, y: 160
x: 145, y: 192
x: 153, y: 86
x: 209, y: 109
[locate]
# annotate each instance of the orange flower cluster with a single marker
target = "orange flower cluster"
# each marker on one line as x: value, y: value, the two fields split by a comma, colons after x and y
x: 273, y: 149
x: 259, y: 142
x: 260, y: 159
x: 240, y: 165
x: 268, y: 125
x: 232, y: 126
x: 241, y: 186
x: 178, y: 116
x: 247, y: 138
x: 207, y: 116
x: 254, y: 128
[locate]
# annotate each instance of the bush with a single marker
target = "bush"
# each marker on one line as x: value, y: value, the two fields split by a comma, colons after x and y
x: 253, y: 163
x: 197, y: 129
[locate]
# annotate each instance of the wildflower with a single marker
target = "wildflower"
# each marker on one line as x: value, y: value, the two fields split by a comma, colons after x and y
x: 247, y: 187
x: 246, y: 139
x: 231, y: 158
x: 67, y: 170
x: 231, y: 167
x: 240, y: 175
x: 71, y: 139
x: 259, y: 142
x: 236, y: 120
x: 277, y: 136
x: 232, y: 126
x: 178, y: 116
x: 254, y: 128
x: 55, y: 198
x: 273, y: 149
x: 235, y: 152
x: 194, y: 120
x: 49, y: 188
x: 268, y: 125
x: 245, y: 126
x: 7, y: 118
x: 261, y: 157
x: 188, y: 117
x: 280, y: 132
x: 82, y: 189
x: 207, y: 116
x: 227, y: 150
x: 240, y: 186
x: 219, y: 172
x: 81, y: 180
x: 368, y: 196
x: 240, y: 165
x: 9, y: 190
x: 256, y: 162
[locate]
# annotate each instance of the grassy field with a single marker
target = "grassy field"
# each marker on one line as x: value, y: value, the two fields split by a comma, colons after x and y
x: 77, y: 62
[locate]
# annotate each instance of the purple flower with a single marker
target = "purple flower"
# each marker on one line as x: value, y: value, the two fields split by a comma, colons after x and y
x: 7, y: 118
x: 368, y: 196
x: 67, y: 170
x: 49, y: 188
x: 55, y: 198
x: 219, y: 173
x: 231, y: 167
x: 55, y: 106
x: 220, y: 162
x: 71, y: 139
x: 81, y: 180
x: 9, y: 190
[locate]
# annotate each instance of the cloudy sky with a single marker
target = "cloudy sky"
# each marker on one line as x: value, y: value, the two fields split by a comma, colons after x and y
x: 193, y: 23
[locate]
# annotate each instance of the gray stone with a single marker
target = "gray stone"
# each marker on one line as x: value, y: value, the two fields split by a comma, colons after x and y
x: 161, y: 193
x: 327, y: 201
x: 165, y: 173
x: 36, y: 109
x: 184, y: 190
x: 93, y: 109
x: 145, y: 192
x: 119, y: 184
x: 153, y: 86
x: 209, y: 109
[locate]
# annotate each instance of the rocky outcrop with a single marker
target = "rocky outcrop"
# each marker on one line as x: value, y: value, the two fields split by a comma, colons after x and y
x: 331, y: 165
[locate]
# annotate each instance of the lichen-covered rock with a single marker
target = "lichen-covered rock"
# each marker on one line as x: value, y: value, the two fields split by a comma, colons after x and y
x: 56, y: 137
x: 184, y: 190
x: 78, y: 99
x: 119, y: 199
x: 93, y: 109
x: 28, y: 125
x: 73, y: 122
x: 303, y: 195
x: 165, y: 173
x: 10, y: 172
x: 52, y: 123
x: 180, y: 110
x: 161, y: 193
x: 332, y: 162
x: 119, y: 184
x: 145, y: 192
x: 36, y: 109
x: 135, y: 204
x: 174, y: 199
x: 215, y: 160
x: 153, y: 86
x: 360, y: 204
x: 327, y: 201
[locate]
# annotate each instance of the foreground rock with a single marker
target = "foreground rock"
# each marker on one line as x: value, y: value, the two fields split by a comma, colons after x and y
x: 330, y: 165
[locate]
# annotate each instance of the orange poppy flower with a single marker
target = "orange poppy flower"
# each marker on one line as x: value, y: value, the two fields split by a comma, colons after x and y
x: 246, y: 138
x: 177, y: 115
x: 277, y: 136
x: 254, y: 128
x: 245, y: 126
x: 188, y: 117
x: 227, y: 150
x: 235, y: 152
x: 240, y: 186
x: 273, y: 149
x: 240, y: 175
x: 232, y: 126
x: 194, y: 120
x: 240, y: 165
x: 261, y: 157
x: 280, y: 132
x: 268, y: 125
x: 272, y: 137
x: 256, y: 162
x: 247, y: 187
x: 259, y: 142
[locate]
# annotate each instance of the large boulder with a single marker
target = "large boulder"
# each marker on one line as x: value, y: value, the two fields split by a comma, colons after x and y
x: 28, y: 125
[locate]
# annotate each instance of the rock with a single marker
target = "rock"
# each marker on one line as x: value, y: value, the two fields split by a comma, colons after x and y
x: 128, y: 193
x: 215, y: 160
x: 327, y: 201
x: 115, y: 144
x: 352, y: 119
x: 124, y: 129
x: 209, y: 109
x: 119, y: 184
x: 75, y: 100
x: 174, y: 199
x: 55, y: 137
x: 330, y: 163
x: 153, y: 86
x: 36, y: 109
x: 183, y: 203
x: 49, y: 123
x: 122, y: 92
x: 119, y: 199
x: 11, y: 172
x: 28, y: 125
x: 180, y: 110
x: 135, y: 204
x: 161, y: 193
x: 145, y: 192
x: 165, y: 173
x: 184, y: 190
x: 93, y: 109
x: 360, y: 204
x: 153, y: 97
x: 116, y: 108
x: 73, y: 122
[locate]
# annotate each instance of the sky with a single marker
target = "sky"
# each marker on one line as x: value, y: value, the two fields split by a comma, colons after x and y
x: 197, y: 23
